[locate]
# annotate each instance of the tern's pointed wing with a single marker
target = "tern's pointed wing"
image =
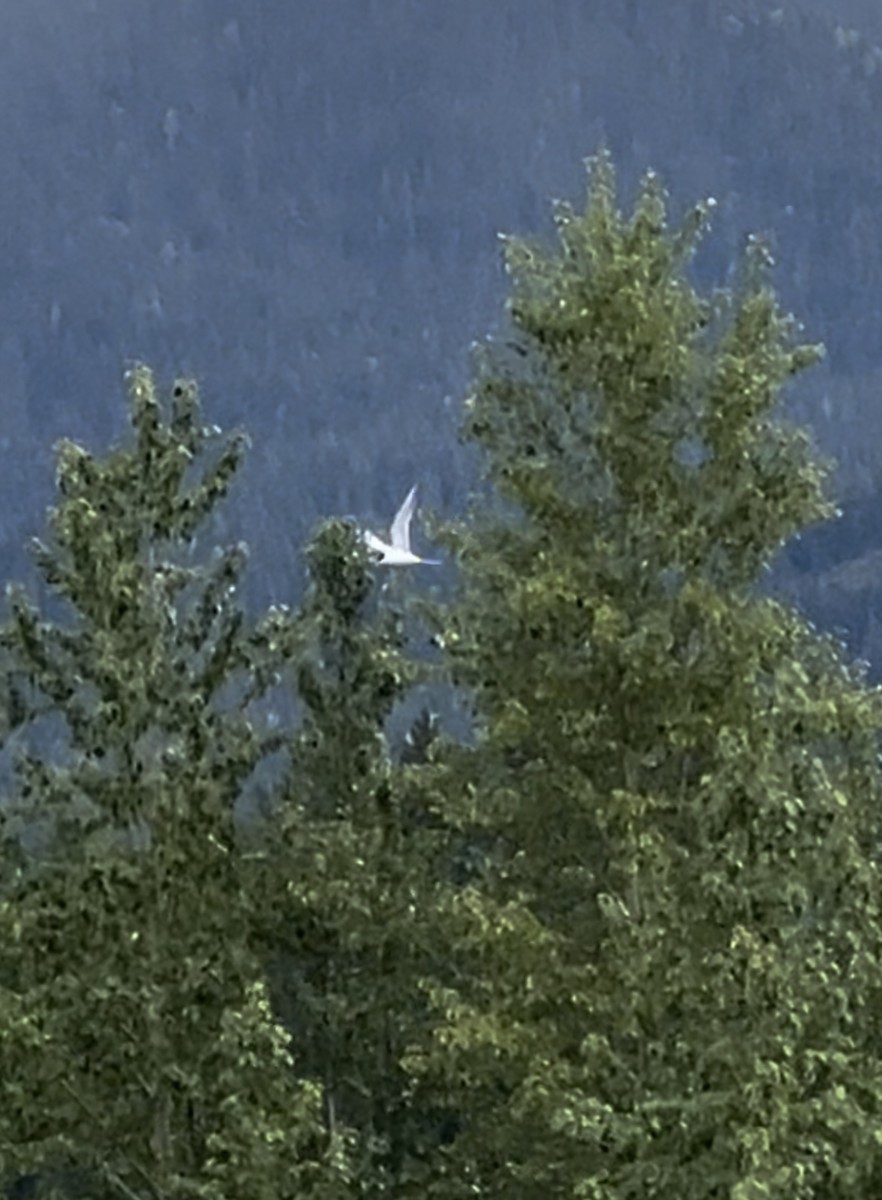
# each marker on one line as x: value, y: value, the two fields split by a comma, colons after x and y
x: 394, y: 556
x: 400, y: 531
x: 374, y: 543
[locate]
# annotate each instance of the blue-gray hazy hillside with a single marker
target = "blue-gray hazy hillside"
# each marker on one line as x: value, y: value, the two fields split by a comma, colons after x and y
x: 298, y: 203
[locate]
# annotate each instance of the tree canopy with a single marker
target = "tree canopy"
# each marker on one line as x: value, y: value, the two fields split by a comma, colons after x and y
x: 622, y: 940
x: 678, y: 776
x: 138, y: 1049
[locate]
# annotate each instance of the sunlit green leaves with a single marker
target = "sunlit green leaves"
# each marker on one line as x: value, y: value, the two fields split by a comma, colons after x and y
x: 682, y: 778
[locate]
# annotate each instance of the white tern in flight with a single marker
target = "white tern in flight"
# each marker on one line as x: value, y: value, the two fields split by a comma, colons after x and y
x: 397, y: 552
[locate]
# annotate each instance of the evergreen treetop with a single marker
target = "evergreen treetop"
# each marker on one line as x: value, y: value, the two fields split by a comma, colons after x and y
x: 679, y: 924
x: 138, y: 1049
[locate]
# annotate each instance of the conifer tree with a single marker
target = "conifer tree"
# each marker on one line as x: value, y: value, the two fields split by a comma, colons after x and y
x: 352, y: 874
x: 676, y: 940
x: 137, y: 1046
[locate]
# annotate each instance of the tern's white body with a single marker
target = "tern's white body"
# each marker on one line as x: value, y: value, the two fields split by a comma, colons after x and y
x: 397, y: 552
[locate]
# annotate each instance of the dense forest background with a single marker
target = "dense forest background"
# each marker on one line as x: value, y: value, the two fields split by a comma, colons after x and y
x: 298, y: 204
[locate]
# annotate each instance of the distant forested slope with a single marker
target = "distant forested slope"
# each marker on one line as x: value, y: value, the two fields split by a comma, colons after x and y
x: 299, y: 204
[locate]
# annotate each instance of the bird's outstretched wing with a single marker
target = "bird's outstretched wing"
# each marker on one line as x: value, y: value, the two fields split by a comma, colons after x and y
x: 374, y: 543
x: 397, y: 552
x: 400, y: 531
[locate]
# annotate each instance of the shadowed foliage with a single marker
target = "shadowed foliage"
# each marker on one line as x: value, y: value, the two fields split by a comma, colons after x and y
x: 353, y: 874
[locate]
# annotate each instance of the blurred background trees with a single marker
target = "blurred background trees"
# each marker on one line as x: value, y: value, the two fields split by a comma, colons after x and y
x: 297, y: 205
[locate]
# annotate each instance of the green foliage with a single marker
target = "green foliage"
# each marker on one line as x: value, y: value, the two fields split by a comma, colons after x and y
x: 352, y: 874
x: 626, y: 944
x: 675, y: 948
x: 135, y: 1039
